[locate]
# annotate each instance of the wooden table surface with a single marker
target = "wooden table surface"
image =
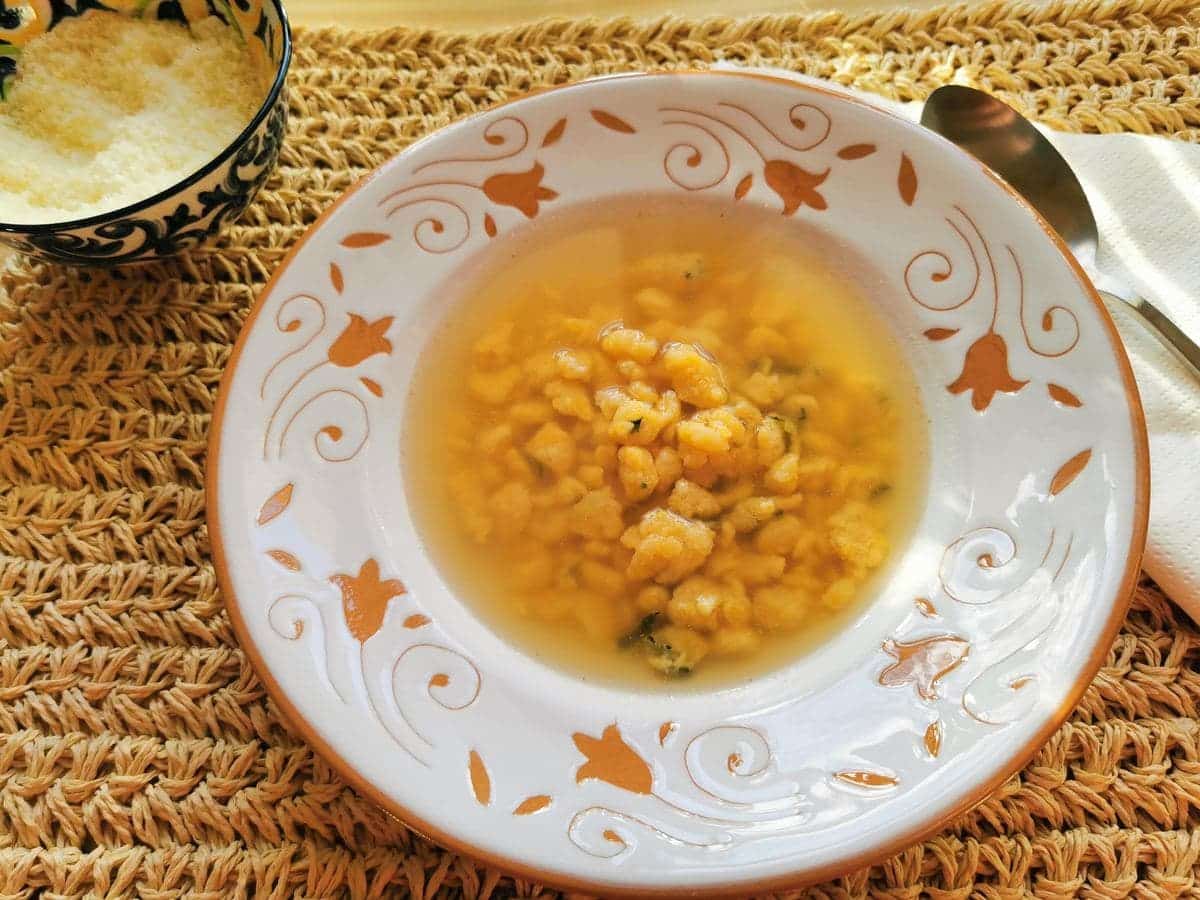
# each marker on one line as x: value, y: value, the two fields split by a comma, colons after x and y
x: 474, y: 15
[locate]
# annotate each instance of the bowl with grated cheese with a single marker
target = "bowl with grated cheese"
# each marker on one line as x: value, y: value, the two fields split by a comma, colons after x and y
x: 129, y: 136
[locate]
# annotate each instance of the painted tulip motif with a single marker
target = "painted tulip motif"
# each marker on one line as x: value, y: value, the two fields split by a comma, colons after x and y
x: 985, y: 372
x: 612, y: 760
x: 795, y: 186
x: 359, y: 341
x: 365, y: 599
x: 923, y: 663
x: 520, y: 190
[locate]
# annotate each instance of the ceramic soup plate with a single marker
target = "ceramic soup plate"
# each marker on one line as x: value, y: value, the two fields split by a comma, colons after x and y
x: 996, y: 613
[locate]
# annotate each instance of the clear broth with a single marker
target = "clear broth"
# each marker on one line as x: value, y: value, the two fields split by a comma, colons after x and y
x: 568, y: 263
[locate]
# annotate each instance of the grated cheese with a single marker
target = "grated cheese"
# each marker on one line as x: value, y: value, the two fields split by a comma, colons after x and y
x: 107, y: 110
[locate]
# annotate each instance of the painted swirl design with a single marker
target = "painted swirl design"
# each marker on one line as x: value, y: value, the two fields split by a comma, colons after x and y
x: 722, y: 763
x: 721, y: 760
x: 939, y: 280
x: 336, y: 418
x: 687, y: 164
x: 441, y: 675
x: 704, y: 158
x: 337, y: 422
x: 934, y: 281
x: 800, y: 118
x: 297, y: 617
x: 446, y: 679
x: 25, y: 21
x: 429, y: 229
x: 975, y: 568
x: 984, y: 567
x: 1055, y: 319
x: 302, y: 315
x: 442, y: 206
x: 508, y: 133
x: 607, y: 833
x: 450, y: 679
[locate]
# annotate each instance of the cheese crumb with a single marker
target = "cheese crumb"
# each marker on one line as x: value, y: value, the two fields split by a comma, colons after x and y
x: 108, y: 110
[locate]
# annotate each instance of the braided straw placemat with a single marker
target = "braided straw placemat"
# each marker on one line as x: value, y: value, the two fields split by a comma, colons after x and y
x: 139, y: 755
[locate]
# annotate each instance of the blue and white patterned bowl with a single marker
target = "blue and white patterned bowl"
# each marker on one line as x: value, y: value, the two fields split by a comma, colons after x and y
x: 196, y: 207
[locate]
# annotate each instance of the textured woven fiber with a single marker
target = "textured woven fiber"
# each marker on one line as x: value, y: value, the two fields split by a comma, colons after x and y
x: 139, y: 755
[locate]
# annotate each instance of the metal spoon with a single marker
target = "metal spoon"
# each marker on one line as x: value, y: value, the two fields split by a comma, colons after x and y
x: 1000, y: 137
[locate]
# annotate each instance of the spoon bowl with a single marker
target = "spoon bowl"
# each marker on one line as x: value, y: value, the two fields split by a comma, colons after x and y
x: 1001, y: 138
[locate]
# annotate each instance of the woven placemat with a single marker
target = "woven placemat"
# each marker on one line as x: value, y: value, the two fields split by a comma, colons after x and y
x: 139, y: 755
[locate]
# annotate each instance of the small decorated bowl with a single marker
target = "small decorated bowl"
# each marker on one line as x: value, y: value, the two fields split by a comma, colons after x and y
x: 196, y: 207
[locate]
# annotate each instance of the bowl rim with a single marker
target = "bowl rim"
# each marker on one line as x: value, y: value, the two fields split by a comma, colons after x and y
x: 281, y: 71
x: 1020, y: 756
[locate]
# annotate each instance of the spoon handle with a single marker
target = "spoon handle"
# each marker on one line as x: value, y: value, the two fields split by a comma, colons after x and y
x: 1168, y: 333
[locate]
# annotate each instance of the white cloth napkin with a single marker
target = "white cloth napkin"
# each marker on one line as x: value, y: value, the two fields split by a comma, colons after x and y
x: 1143, y: 192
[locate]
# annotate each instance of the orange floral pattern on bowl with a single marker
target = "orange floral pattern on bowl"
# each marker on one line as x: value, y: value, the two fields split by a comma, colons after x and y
x: 526, y: 765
